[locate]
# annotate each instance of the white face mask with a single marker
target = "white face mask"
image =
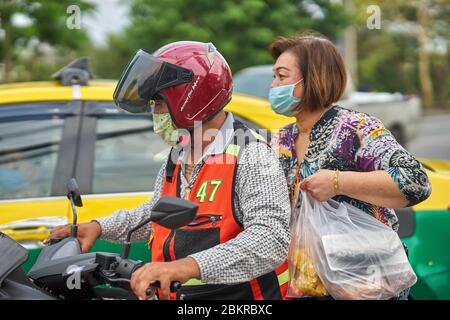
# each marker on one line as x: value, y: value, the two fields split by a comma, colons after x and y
x: 163, y: 126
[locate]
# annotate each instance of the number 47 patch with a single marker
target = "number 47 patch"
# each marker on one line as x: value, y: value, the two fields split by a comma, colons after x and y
x: 202, y: 191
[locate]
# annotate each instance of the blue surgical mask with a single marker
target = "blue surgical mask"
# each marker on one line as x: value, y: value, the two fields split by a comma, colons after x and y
x: 282, y: 99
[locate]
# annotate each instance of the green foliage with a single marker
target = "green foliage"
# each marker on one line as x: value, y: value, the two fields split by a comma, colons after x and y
x: 242, y: 30
x: 47, y: 25
x: 386, y: 62
x: 388, y: 59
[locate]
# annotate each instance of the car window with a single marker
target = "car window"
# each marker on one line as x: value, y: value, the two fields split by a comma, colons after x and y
x: 255, y: 84
x: 128, y: 154
x: 30, y: 136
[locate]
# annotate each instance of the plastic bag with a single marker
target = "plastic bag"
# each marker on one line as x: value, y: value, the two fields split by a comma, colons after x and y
x: 353, y: 254
x: 304, y: 280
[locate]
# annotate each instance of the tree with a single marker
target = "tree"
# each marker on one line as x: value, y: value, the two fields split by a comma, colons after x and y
x: 403, y: 45
x: 242, y: 30
x: 46, y: 24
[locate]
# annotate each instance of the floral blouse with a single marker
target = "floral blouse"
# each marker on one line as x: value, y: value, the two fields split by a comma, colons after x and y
x: 353, y: 141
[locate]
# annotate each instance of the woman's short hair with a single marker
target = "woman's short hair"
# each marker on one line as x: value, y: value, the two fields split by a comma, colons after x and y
x: 321, y: 64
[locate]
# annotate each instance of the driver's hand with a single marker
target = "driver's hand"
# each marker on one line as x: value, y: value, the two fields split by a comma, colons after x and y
x: 165, y: 272
x: 87, y: 234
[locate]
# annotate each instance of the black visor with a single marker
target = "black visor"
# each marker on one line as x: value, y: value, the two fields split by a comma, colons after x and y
x: 144, y: 76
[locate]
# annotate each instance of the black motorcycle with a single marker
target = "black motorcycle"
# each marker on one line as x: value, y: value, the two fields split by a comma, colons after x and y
x: 62, y: 271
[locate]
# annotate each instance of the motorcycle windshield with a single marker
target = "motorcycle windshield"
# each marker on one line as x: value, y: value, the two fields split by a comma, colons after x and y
x: 12, y: 256
x: 142, y: 80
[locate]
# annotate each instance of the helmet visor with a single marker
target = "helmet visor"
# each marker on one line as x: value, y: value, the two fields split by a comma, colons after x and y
x: 143, y: 78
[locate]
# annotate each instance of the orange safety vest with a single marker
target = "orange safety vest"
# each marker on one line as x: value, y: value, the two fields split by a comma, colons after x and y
x: 216, y: 223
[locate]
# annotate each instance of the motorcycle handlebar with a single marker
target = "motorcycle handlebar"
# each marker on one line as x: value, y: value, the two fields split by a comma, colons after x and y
x: 120, y: 275
x: 174, y: 287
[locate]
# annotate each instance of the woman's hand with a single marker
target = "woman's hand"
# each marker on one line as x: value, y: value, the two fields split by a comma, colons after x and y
x: 374, y: 187
x: 87, y: 234
x: 165, y: 272
x: 320, y: 185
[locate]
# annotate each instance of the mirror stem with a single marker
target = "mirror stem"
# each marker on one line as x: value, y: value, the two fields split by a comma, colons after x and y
x: 127, y: 243
x: 74, y: 227
x: 73, y: 230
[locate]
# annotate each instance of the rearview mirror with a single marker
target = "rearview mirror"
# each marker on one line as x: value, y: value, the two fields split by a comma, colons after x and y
x: 169, y: 212
x: 74, y: 192
x: 173, y: 213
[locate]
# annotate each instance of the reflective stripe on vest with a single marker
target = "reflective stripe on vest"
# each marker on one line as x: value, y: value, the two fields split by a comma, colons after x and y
x: 233, y: 149
x: 283, y: 277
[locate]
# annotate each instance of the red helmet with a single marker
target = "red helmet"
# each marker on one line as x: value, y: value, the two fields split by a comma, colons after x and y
x: 192, y: 77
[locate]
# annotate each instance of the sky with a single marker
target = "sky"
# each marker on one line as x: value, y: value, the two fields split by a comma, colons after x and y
x: 110, y: 16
